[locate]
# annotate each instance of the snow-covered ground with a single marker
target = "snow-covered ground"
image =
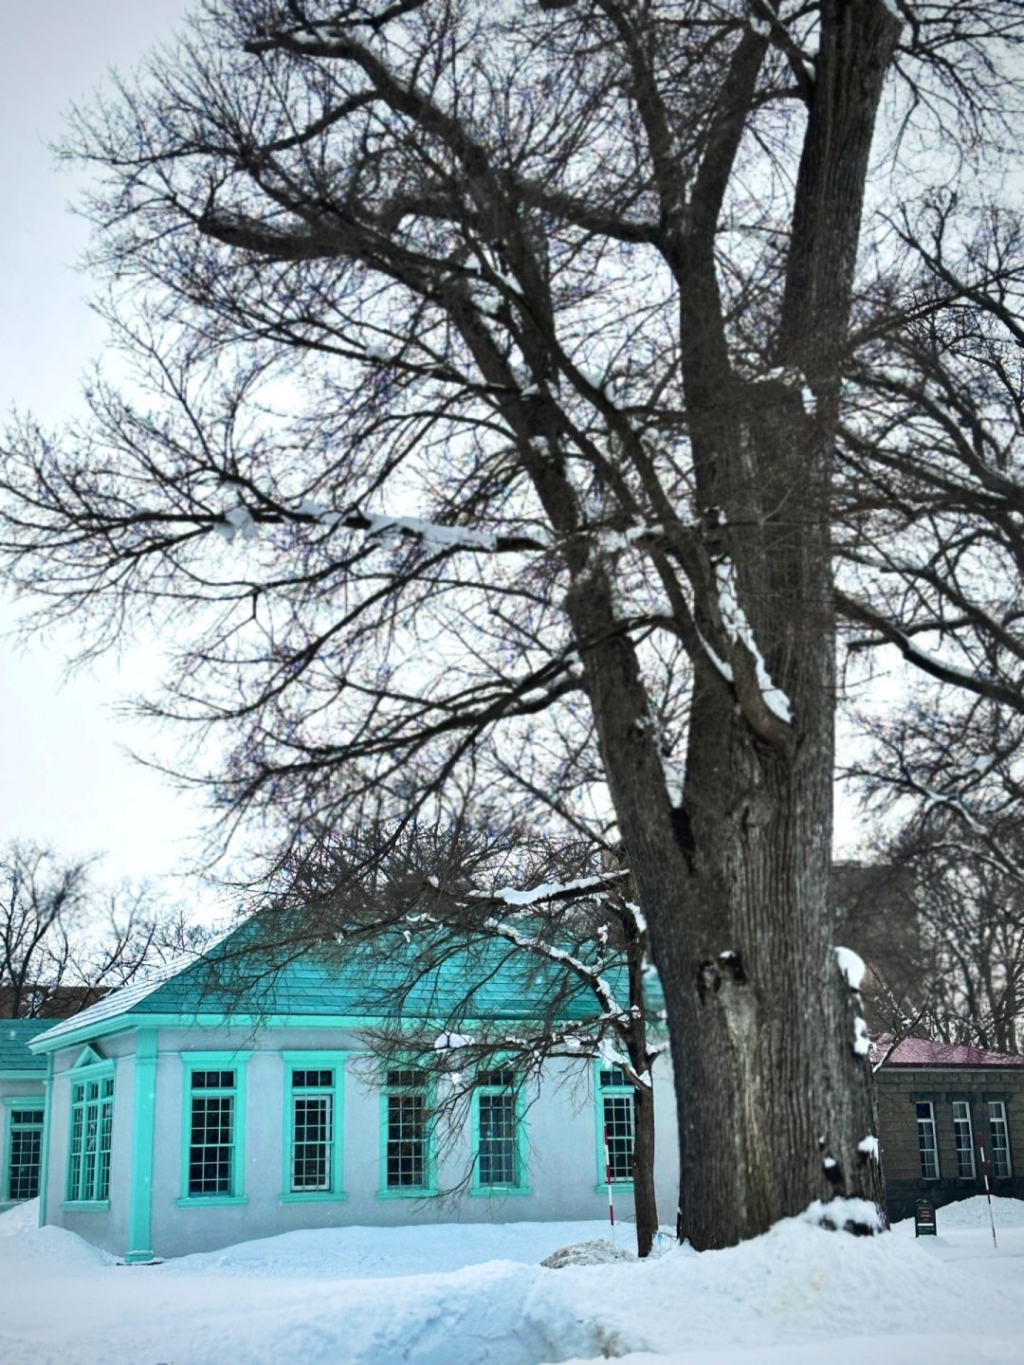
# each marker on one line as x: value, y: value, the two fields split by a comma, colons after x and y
x: 462, y: 1295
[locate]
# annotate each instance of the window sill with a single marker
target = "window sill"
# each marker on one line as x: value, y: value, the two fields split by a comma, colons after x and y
x: 313, y: 1197
x: 408, y: 1192
x: 210, y: 1201
x: 86, y: 1206
x: 626, y: 1186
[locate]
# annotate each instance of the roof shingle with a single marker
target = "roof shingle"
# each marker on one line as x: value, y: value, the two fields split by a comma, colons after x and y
x: 486, y: 981
x: 14, y: 1052
x: 926, y: 1052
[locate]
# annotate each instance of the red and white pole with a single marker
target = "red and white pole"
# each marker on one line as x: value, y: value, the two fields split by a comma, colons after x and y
x: 608, y: 1181
x: 988, y: 1195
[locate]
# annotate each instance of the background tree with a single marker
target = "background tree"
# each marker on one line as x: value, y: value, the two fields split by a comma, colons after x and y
x: 941, y: 925
x: 506, y: 348
x: 931, y: 545
x: 65, y: 942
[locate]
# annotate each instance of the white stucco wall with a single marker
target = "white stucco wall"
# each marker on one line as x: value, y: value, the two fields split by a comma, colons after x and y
x: 561, y: 1153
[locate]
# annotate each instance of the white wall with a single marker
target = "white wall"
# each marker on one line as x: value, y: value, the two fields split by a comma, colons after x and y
x: 562, y: 1153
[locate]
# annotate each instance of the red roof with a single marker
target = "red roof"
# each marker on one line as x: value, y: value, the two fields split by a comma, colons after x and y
x: 925, y: 1052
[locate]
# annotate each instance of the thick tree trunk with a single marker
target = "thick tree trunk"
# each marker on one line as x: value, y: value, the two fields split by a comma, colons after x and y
x: 772, y: 1081
x: 774, y: 1088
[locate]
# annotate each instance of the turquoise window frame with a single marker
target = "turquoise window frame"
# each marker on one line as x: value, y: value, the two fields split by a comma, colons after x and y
x: 90, y: 1068
x: 315, y: 1061
x: 520, y: 1144
x: 429, y: 1187
x: 600, y: 1092
x: 13, y: 1103
x: 191, y: 1062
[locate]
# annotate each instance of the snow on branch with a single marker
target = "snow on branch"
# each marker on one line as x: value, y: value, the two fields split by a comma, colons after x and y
x: 739, y: 630
x: 591, y: 975
x: 551, y: 891
x: 433, y: 535
x: 243, y: 522
x: 852, y: 966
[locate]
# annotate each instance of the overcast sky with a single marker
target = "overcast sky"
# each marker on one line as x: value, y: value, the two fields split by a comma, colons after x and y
x: 65, y: 779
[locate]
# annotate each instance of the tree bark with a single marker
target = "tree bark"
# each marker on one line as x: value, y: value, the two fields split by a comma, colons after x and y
x: 772, y: 1079
x: 645, y: 1204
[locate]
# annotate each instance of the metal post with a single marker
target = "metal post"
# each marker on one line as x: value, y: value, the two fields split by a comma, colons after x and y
x: 608, y: 1181
x: 988, y: 1195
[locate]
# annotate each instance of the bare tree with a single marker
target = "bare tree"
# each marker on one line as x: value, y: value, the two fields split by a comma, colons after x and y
x: 575, y: 287
x: 65, y: 942
x: 954, y: 967
x: 931, y: 541
x: 433, y: 903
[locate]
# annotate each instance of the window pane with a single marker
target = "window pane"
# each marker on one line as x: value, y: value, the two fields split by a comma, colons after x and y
x: 964, y: 1139
x: 26, y: 1152
x: 506, y: 1079
x: 406, y: 1140
x: 213, y: 1080
x: 1000, y: 1132
x: 614, y: 1077
x: 305, y: 1080
x: 209, y: 1163
x: 618, y: 1127
x: 92, y: 1122
x: 312, y: 1141
x: 926, y: 1142
x: 497, y: 1132
x: 405, y: 1078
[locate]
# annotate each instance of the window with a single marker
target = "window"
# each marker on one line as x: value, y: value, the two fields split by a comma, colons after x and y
x: 963, y: 1137
x: 1000, y: 1131
x: 24, y: 1150
x: 312, y: 1130
x: 211, y: 1146
x: 313, y: 1125
x: 213, y: 1128
x: 615, y: 1126
x: 926, y: 1143
x: 92, y: 1121
x: 497, y: 1133
x: 407, y: 1135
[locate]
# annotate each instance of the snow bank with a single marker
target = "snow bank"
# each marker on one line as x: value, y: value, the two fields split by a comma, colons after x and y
x: 22, y: 1239
x: 973, y: 1214
x: 376, y: 1253
x: 358, y: 1296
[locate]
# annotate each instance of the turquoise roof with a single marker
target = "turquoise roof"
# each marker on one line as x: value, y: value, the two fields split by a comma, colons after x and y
x: 488, y: 981
x: 14, y: 1051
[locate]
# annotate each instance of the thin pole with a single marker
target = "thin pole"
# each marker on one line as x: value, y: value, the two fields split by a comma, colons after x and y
x: 988, y: 1195
x: 608, y: 1181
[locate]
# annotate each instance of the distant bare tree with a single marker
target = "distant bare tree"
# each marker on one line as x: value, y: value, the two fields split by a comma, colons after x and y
x: 953, y: 968
x: 65, y: 942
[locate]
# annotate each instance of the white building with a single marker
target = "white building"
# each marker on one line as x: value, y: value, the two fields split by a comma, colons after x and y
x: 218, y: 1103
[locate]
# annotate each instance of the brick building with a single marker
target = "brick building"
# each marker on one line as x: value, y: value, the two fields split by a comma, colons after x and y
x: 938, y: 1103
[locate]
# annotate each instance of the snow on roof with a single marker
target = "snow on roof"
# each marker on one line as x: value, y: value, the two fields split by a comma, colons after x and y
x: 926, y: 1052
x: 120, y: 1001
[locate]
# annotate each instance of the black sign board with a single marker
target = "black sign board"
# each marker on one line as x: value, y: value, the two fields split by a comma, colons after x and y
x: 924, y: 1218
